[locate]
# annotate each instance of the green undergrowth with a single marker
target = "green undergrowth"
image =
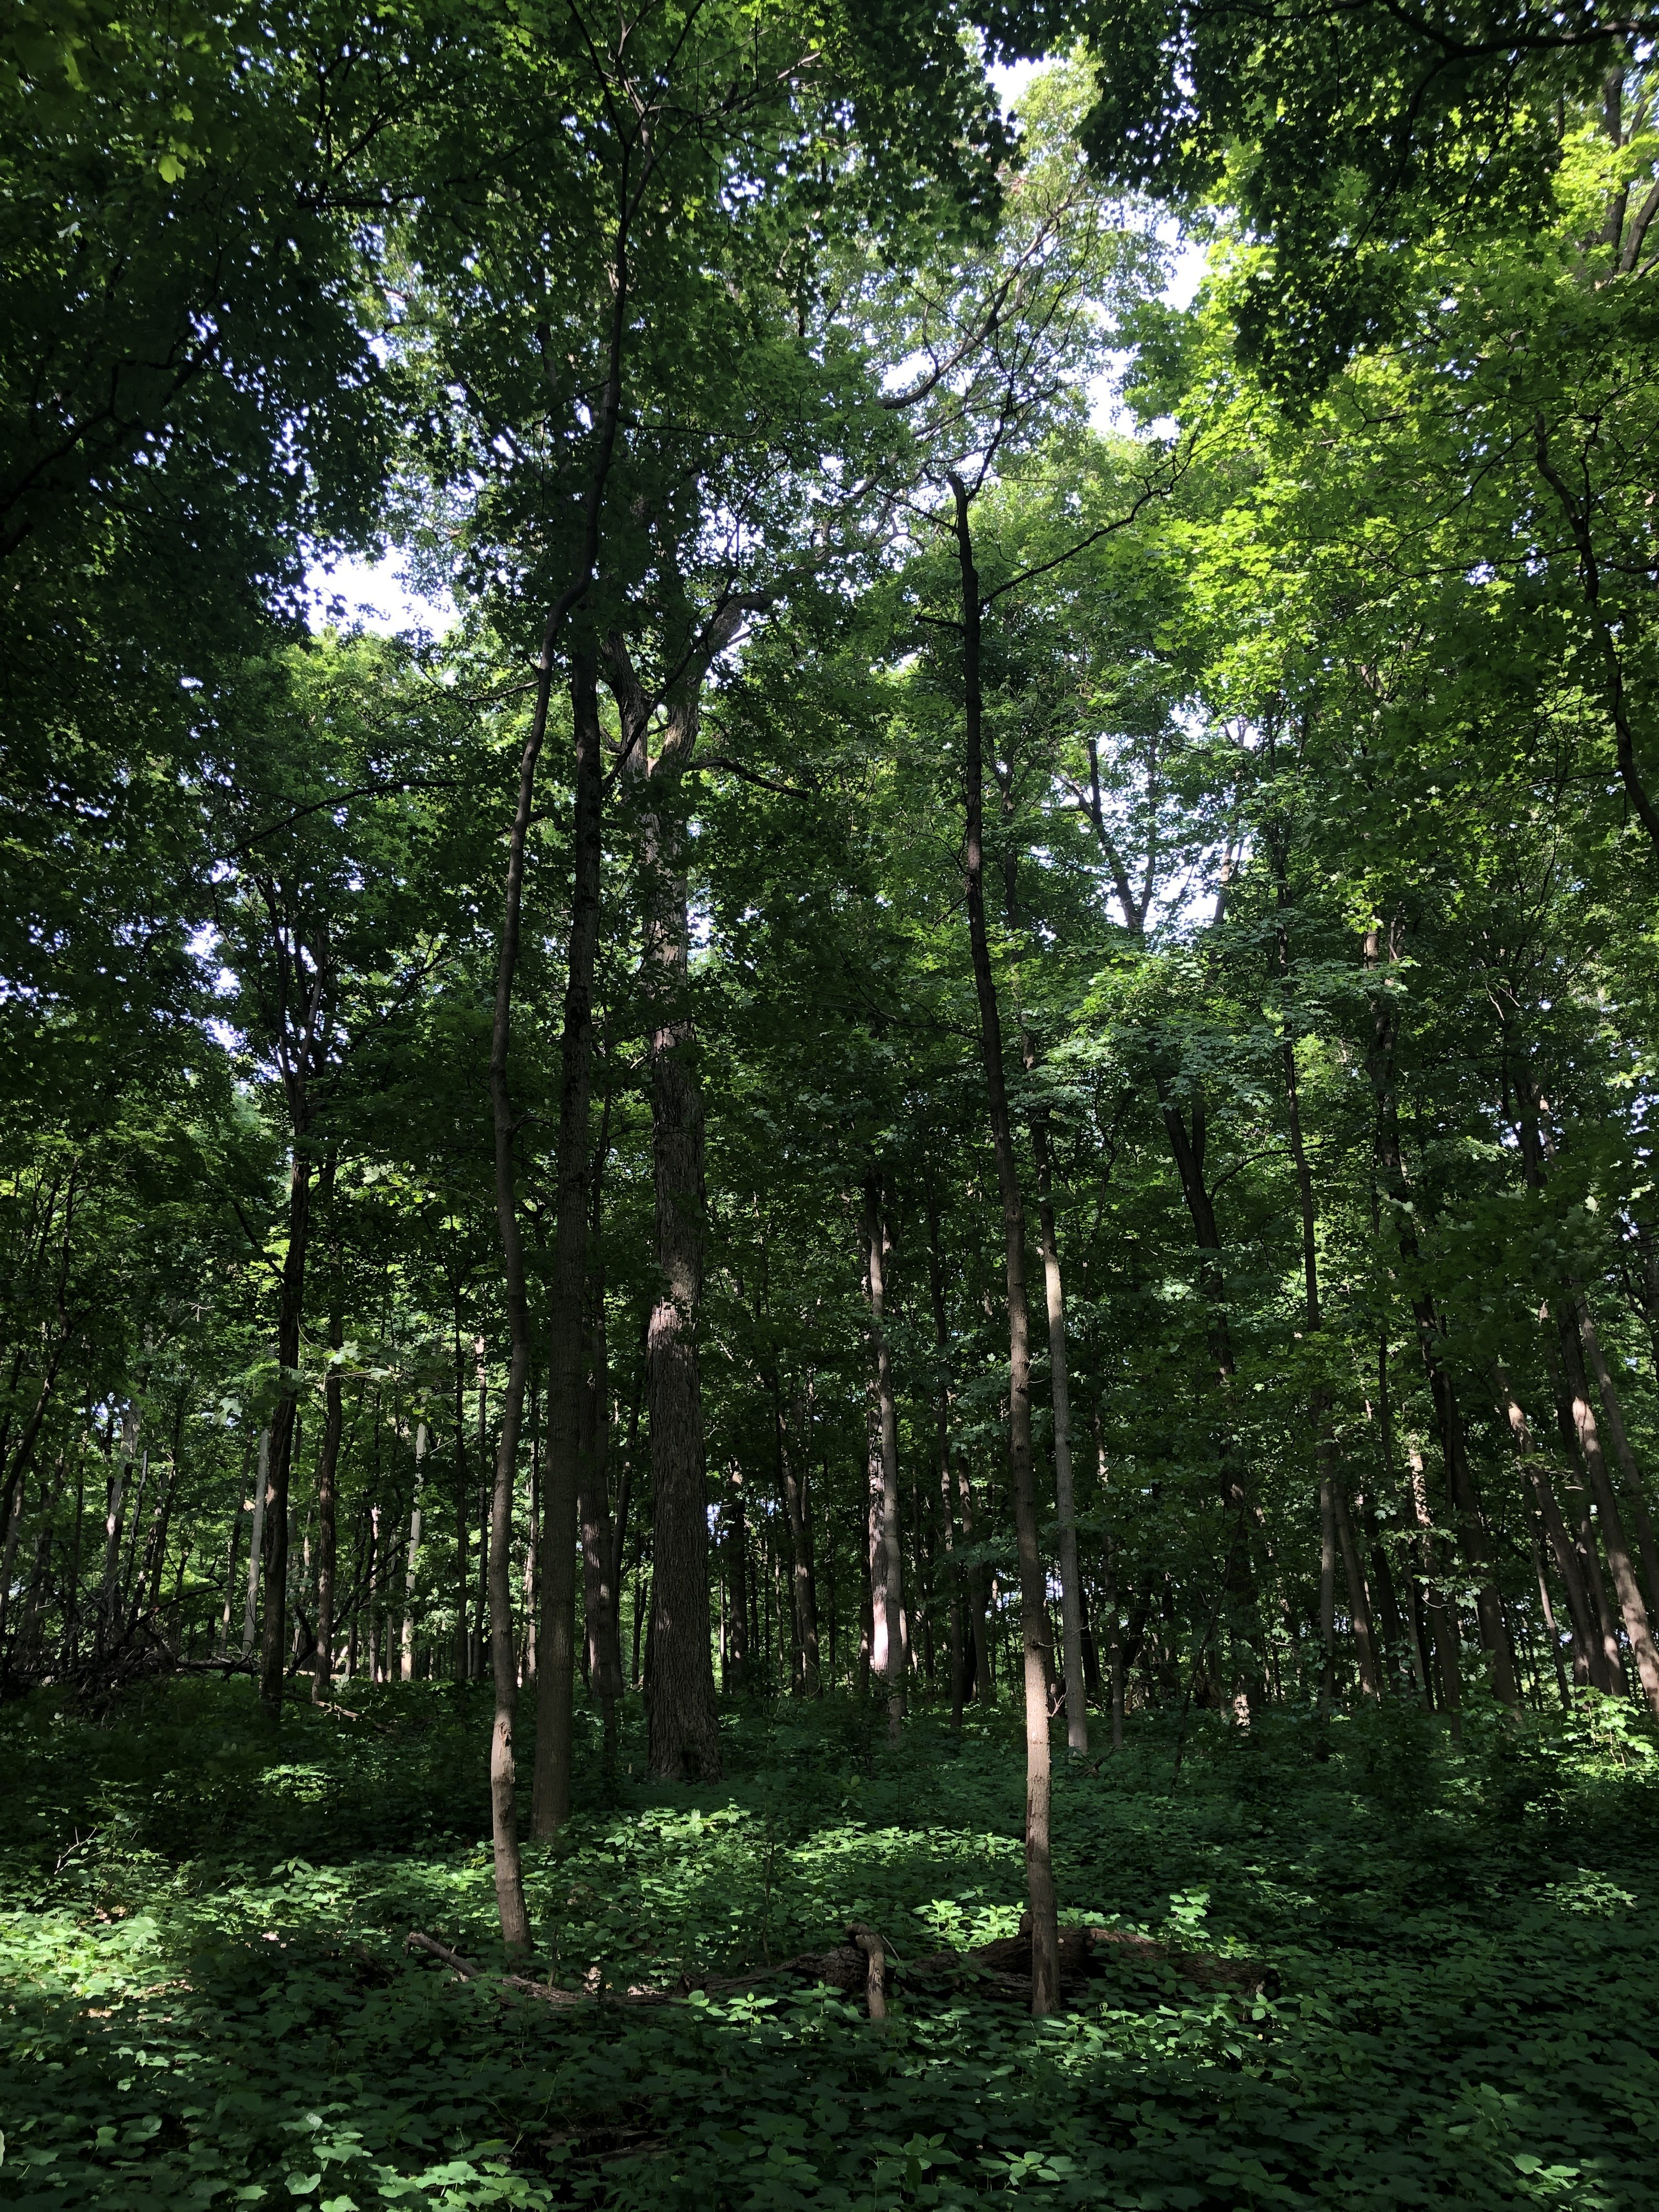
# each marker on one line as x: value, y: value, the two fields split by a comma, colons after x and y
x: 208, y: 2002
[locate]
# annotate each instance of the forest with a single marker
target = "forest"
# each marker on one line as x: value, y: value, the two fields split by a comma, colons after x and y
x: 830, y: 1318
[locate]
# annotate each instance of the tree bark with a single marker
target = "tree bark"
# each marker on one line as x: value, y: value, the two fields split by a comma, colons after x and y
x: 561, y: 1480
x: 256, y: 1544
x: 887, y: 1559
x: 1629, y: 1473
x: 1630, y: 1605
x: 411, y: 1560
x: 1071, y: 1585
x: 328, y: 1458
x: 942, y: 1420
x: 791, y: 1493
x: 1039, y: 1873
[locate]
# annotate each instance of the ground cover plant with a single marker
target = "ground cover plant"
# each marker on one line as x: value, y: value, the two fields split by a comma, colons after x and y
x: 208, y: 2000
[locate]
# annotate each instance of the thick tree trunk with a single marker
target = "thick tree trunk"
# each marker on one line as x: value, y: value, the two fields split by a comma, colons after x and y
x: 1630, y: 1605
x: 682, y: 1725
x: 1033, y: 1582
x: 1619, y: 1437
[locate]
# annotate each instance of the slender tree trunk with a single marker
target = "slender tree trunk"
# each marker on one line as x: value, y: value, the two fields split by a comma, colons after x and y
x: 1040, y: 1884
x: 1443, y: 1622
x: 256, y: 1547
x: 887, y: 1558
x: 1071, y: 1585
x: 942, y: 1418
x: 1461, y: 1489
x: 736, y: 1588
x: 463, y: 1511
x: 1359, y: 1606
x: 562, y: 1481
x: 411, y: 1558
x: 792, y: 1491
x: 1585, y: 1656
x: 328, y: 1460
x: 1326, y: 1599
x: 600, y: 1598
x: 273, y: 1644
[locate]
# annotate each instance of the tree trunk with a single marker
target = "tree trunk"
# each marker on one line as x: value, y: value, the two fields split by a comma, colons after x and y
x: 681, y: 1721
x: 600, y: 1598
x: 887, y: 1559
x: 566, y: 1370
x: 256, y: 1543
x: 1630, y: 1605
x: 290, y: 1307
x: 1629, y: 1473
x: 736, y: 1588
x: 1461, y: 1490
x: 1443, y: 1622
x: 792, y: 1490
x: 1039, y: 1875
x: 1586, y: 1658
x: 328, y: 1459
x: 411, y: 1560
x: 1071, y: 1586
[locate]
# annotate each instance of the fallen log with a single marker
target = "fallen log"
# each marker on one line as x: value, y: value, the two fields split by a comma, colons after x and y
x: 865, y: 1964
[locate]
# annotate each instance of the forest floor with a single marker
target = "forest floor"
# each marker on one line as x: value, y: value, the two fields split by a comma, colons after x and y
x: 208, y: 2001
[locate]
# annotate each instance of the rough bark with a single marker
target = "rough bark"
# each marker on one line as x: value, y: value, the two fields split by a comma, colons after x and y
x: 681, y: 1723
x: 1631, y: 1607
x: 1613, y: 1419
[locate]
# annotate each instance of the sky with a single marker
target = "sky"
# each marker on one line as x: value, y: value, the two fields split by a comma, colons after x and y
x: 377, y: 595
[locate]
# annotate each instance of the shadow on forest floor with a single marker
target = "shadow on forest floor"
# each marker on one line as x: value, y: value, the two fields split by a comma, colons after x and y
x: 207, y: 2001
